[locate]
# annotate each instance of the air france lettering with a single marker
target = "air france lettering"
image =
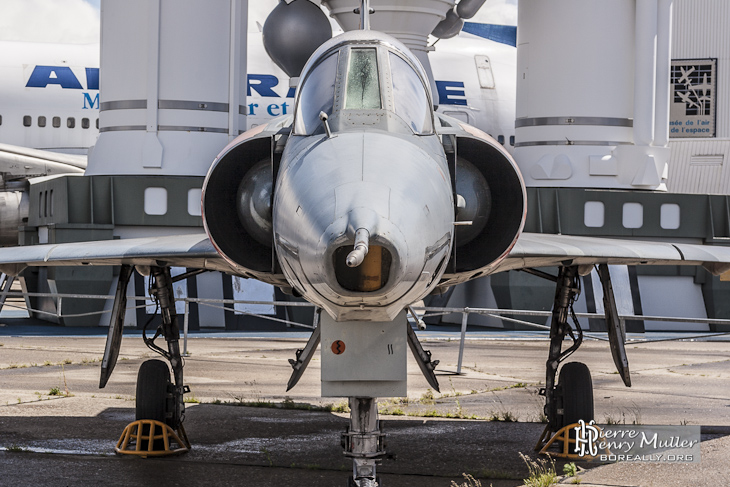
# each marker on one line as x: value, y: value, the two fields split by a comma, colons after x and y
x: 63, y: 76
x: 449, y: 92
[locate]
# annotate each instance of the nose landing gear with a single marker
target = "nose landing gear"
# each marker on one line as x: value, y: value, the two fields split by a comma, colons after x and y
x: 364, y: 442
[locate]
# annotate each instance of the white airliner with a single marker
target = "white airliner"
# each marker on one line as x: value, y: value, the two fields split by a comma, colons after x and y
x: 50, y: 95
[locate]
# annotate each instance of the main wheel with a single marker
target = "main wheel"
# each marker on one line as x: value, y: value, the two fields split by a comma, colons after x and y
x: 577, y: 393
x: 154, y: 392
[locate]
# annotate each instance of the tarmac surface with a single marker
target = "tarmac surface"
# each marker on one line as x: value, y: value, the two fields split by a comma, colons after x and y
x: 58, y: 428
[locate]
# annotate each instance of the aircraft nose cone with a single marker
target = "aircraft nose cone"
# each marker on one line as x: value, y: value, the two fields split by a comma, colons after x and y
x: 363, y: 223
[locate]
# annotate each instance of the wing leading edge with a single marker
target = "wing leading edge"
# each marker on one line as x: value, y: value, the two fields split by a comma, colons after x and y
x: 548, y: 250
x: 194, y: 250
x: 531, y: 250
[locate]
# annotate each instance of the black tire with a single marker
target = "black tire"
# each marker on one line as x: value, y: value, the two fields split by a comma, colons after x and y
x: 154, y: 392
x: 577, y: 393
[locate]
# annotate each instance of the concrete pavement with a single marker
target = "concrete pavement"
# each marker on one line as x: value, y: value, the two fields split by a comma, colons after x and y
x: 674, y: 383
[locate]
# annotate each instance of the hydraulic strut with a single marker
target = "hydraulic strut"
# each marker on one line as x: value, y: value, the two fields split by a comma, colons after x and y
x: 566, y: 291
x: 363, y: 441
x: 163, y: 293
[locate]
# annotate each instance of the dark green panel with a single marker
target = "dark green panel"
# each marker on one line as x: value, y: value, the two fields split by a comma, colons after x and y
x: 79, y: 200
x: 79, y: 233
x: 561, y: 210
x: 716, y: 294
x: 519, y: 290
x: 101, y: 192
x: 128, y: 201
x: 81, y: 280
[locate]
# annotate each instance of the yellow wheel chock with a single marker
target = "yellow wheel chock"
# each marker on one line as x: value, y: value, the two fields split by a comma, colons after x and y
x: 561, y: 436
x: 141, y: 438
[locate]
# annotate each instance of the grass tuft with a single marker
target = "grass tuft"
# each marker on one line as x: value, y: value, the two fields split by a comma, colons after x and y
x: 469, y: 481
x: 542, y: 473
x: 287, y: 403
x: 427, y: 397
x: 191, y: 399
x: 395, y: 412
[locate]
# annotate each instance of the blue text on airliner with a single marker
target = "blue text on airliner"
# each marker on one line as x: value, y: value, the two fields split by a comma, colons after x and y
x: 449, y: 92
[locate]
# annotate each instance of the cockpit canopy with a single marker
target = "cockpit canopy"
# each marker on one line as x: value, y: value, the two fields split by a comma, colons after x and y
x: 364, y: 82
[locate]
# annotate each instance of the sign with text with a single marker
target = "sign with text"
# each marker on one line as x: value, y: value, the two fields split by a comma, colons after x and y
x: 693, y: 98
x: 637, y: 443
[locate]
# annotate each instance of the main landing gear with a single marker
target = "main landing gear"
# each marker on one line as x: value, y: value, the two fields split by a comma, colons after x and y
x: 574, y: 388
x: 159, y: 399
x: 571, y: 399
x: 154, y: 390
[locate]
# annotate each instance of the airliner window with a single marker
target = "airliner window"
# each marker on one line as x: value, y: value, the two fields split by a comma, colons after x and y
x: 84, y: 123
x: 410, y: 98
x: 316, y: 95
x: 56, y: 122
x: 363, y: 87
x: 27, y: 121
x: 41, y: 121
x: 70, y: 122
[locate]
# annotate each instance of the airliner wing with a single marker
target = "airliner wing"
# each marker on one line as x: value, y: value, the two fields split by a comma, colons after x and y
x: 531, y: 250
x: 21, y: 162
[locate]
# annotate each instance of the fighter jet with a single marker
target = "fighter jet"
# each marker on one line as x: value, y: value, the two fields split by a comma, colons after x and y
x: 364, y: 201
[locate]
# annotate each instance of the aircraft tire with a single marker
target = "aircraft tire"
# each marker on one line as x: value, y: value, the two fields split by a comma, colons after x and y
x: 577, y: 393
x: 154, y: 396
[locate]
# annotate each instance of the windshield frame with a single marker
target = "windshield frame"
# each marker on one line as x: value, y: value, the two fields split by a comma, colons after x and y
x: 300, y: 124
x: 429, y: 130
x: 385, y: 79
